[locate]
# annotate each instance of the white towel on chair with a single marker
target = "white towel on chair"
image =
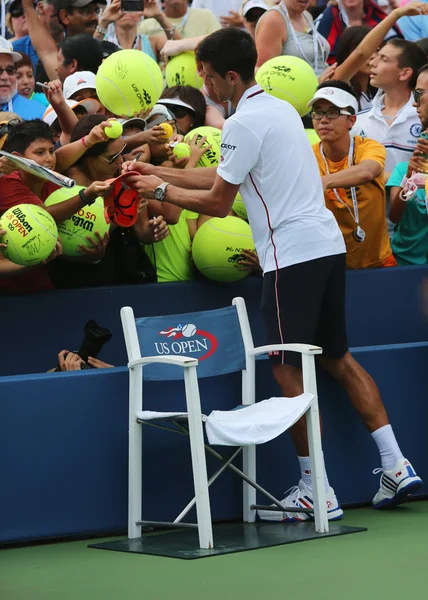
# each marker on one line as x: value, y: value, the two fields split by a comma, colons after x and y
x: 257, y: 423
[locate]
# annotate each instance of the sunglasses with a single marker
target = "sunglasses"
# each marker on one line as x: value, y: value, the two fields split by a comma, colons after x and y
x: 417, y: 95
x: 115, y: 157
x: 180, y: 112
x: 4, y: 127
x: 9, y: 70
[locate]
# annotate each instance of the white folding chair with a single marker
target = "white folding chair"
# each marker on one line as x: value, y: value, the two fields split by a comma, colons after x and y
x: 232, y: 337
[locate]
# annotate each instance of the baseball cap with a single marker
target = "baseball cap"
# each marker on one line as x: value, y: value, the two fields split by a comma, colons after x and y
x: 175, y: 102
x: 336, y: 96
x: 253, y: 4
x: 50, y: 115
x: 162, y: 114
x: 7, y: 48
x: 77, y: 3
x: 135, y: 122
x: 80, y: 80
x: 122, y: 203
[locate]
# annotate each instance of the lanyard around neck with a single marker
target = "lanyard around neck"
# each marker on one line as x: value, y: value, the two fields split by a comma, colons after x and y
x: 359, y: 234
x: 316, y: 39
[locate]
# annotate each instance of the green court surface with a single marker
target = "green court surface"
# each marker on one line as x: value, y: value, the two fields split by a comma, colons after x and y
x: 389, y: 561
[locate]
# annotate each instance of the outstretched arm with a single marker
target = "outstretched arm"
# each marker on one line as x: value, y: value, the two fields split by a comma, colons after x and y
x: 43, y: 42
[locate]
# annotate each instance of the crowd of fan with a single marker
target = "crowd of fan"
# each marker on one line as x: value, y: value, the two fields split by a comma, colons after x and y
x: 375, y: 52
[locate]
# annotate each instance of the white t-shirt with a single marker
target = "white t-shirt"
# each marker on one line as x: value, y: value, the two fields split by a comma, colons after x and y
x: 265, y: 148
x: 220, y: 8
x: 399, y: 138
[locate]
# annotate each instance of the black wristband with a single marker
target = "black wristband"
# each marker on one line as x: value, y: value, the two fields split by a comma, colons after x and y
x: 84, y: 199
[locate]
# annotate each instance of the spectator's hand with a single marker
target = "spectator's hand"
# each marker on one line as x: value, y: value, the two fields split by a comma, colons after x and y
x: 97, y: 188
x: 417, y: 164
x: 54, y: 94
x: 328, y: 73
x: 196, y: 149
x: 2, y: 246
x: 68, y: 361
x: 110, y: 14
x: 152, y: 9
x: 249, y: 261
x: 7, y: 166
x: 160, y: 228
x: 97, y: 249
x: 99, y: 364
x: 142, y: 168
x: 145, y: 185
x: 234, y: 19
x: 412, y: 9
x: 155, y: 135
x: 179, y: 163
x: 97, y: 134
x: 421, y: 147
x: 57, y: 251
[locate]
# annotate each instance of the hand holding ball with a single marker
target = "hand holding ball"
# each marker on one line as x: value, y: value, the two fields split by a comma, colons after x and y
x: 114, y: 130
x: 168, y: 130
x: 181, y: 150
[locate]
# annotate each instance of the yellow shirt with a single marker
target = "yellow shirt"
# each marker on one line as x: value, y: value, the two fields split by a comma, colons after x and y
x: 199, y: 21
x: 375, y: 249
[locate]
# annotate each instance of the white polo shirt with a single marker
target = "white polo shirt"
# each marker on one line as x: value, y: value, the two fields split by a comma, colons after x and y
x: 399, y: 138
x: 264, y: 147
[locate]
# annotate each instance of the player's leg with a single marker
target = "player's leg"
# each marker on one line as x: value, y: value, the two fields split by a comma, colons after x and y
x: 291, y: 303
x: 398, y: 479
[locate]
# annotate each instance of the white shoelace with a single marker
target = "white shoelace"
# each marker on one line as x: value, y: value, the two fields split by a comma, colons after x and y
x: 377, y: 471
x: 291, y: 496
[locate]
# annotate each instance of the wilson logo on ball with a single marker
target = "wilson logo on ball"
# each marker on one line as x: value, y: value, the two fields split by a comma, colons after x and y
x: 187, y: 339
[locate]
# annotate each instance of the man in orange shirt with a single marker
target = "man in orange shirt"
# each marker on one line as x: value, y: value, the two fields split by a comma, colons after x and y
x: 352, y: 172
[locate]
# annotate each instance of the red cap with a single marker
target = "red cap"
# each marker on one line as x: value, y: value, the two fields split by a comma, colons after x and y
x: 122, y: 203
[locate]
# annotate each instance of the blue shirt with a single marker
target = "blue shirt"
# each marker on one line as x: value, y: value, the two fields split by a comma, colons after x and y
x: 413, y: 28
x: 25, y: 45
x: 26, y: 109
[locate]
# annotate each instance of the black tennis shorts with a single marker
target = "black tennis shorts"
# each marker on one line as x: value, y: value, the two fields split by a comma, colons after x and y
x: 305, y: 304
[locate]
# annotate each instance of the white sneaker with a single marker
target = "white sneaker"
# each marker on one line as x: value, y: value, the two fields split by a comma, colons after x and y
x: 301, y: 497
x: 396, y: 485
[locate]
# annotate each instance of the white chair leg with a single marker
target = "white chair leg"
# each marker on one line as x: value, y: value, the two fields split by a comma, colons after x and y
x: 135, y: 448
x: 200, y: 478
x: 315, y: 447
x: 249, y: 468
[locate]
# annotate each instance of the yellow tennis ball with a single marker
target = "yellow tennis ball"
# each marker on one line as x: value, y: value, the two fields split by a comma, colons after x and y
x: 168, y: 130
x: 239, y: 207
x: 217, y: 248
x: 114, y: 130
x: 211, y: 158
x: 182, y: 70
x: 128, y: 82
x: 181, y: 150
x: 312, y: 136
x: 289, y: 78
x: 31, y: 234
x: 88, y: 220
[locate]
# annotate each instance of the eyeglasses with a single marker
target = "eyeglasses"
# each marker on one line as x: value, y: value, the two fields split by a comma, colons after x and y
x: 331, y: 114
x: 4, y: 127
x: 9, y: 70
x: 417, y: 95
x: 115, y: 157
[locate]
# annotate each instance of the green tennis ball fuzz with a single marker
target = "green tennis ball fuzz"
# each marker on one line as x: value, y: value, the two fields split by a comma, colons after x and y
x: 181, y: 150
x: 114, y: 130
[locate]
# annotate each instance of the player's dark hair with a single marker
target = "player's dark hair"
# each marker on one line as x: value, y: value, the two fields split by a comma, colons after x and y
x: 21, y: 135
x: 85, y: 50
x: 82, y: 129
x: 229, y: 49
x: 411, y: 56
x: 341, y: 85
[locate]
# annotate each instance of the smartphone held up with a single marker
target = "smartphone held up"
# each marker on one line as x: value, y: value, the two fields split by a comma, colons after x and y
x: 132, y: 5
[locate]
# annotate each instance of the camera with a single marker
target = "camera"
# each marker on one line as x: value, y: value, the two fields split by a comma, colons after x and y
x: 132, y: 5
x: 94, y: 340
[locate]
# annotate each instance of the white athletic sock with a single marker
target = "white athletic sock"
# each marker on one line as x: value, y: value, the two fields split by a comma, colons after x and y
x: 388, y: 447
x: 306, y: 475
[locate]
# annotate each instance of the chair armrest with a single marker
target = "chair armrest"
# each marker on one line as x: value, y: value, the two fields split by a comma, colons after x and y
x: 178, y: 361
x: 300, y: 348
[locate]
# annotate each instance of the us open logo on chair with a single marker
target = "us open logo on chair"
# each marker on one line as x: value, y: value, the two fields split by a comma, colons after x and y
x: 187, y: 340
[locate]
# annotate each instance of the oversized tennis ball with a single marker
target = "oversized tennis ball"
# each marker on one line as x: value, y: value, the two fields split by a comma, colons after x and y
x: 31, y: 234
x: 211, y: 158
x: 168, y: 130
x: 289, y: 78
x: 239, y: 207
x: 114, y: 130
x: 181, y: 150
x: 182, y: 70
x: 217, y: 248
x: 312, y: 136
x: 128, y: 82
x: 88, y: 220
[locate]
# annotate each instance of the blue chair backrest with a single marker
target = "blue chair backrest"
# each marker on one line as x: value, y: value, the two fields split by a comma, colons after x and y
x: 212, y: 336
